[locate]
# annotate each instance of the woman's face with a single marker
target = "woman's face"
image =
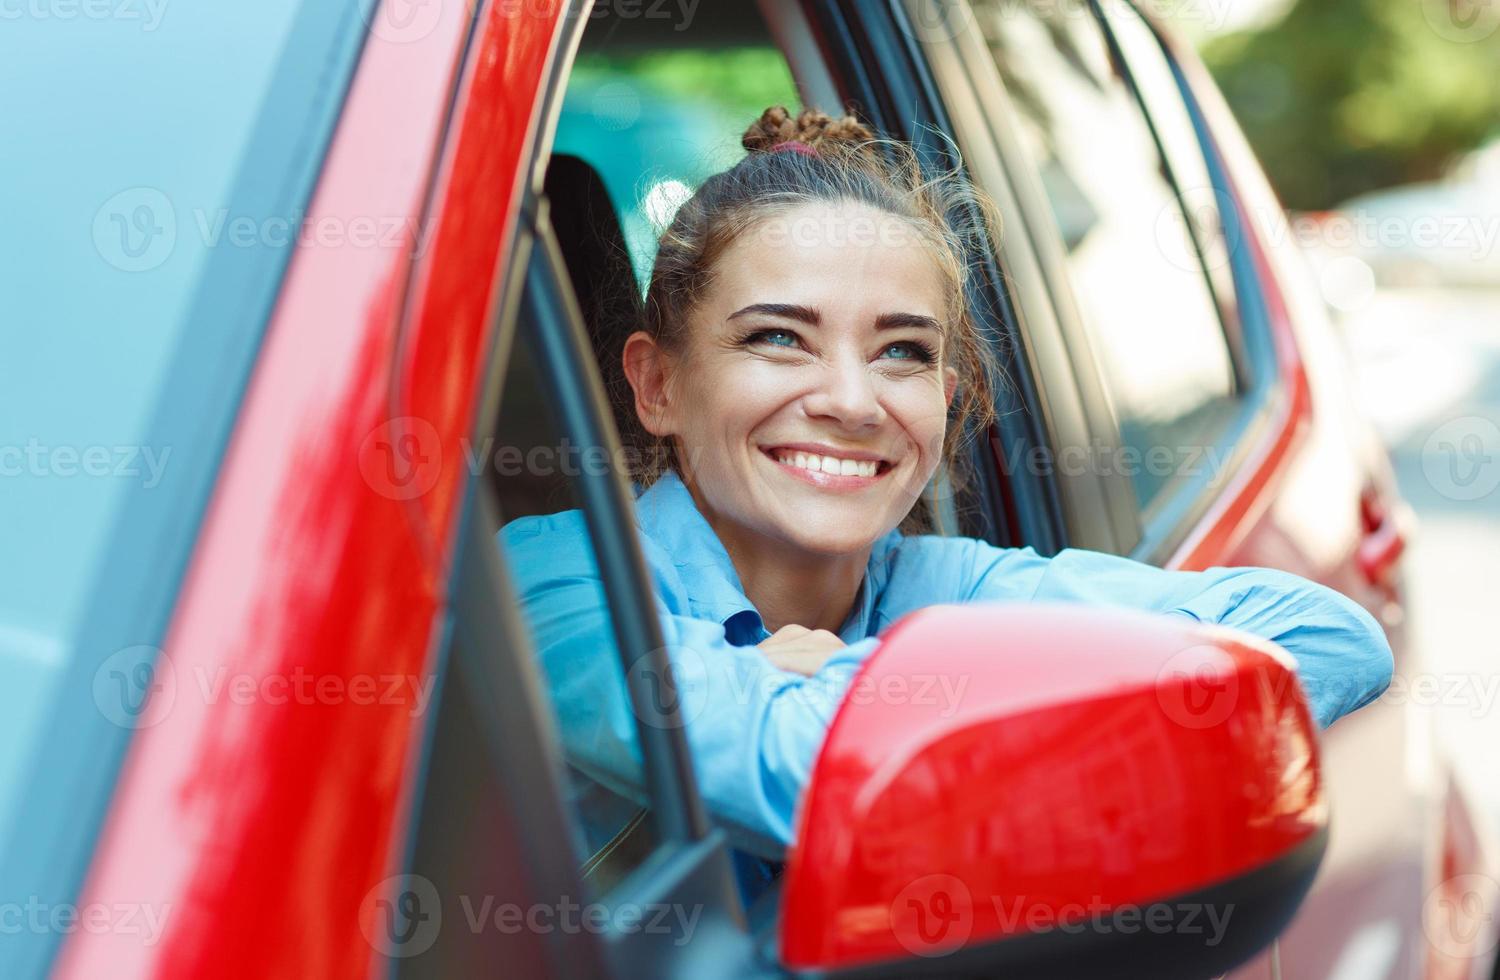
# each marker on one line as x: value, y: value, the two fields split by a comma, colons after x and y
x: 809, y: 402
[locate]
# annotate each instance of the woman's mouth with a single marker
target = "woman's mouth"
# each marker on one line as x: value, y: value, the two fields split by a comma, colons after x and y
x: 828, y: 470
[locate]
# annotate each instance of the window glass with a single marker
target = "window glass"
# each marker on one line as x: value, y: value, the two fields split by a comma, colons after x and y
x: 534, y: 473
x: 656, y: 112
x: 1152, y: 317
x: 1157, y: 85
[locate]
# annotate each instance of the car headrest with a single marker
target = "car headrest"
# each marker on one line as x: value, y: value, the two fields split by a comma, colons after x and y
x: 593, y: 247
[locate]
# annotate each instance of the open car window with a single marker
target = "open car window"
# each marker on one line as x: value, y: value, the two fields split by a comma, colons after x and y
x: 655, y: 113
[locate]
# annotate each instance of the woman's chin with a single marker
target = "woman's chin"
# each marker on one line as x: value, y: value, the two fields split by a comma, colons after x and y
x: 834, y: 535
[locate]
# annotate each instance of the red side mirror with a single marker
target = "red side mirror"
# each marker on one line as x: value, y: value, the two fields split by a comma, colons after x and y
x: 1056, y: 790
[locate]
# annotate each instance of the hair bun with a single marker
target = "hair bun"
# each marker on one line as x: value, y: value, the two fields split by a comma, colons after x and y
x: 817, y: 129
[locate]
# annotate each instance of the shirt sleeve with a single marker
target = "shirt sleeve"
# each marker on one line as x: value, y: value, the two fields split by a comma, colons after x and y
x: 1343, y: 658
x: 753, y: 730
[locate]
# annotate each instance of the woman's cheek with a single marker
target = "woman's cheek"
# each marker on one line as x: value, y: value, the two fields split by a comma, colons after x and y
x: 920, y: 409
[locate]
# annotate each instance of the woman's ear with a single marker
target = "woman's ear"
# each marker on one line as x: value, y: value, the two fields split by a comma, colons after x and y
x: 950, y: 384
x: 646, y: 366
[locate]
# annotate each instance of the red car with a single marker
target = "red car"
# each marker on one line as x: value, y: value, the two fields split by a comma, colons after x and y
x: 330, y: 277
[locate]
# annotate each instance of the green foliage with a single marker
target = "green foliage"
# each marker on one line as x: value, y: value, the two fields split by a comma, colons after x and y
x: 1346, y: 96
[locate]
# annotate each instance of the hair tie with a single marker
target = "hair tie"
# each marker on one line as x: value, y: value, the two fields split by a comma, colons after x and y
x: 794, y: 146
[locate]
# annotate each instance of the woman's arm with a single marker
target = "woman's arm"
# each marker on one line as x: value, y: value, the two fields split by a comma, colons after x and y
x: 1343, y: 657
x: 753, y: 730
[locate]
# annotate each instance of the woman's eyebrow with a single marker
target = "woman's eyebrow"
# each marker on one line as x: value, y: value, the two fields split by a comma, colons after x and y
x: 791, y: 311
x: 886, y: 321
x: 809, y: 315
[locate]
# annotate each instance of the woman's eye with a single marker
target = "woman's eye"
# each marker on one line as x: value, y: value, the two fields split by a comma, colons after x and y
x: 776, y: 338
x: 907, y: 351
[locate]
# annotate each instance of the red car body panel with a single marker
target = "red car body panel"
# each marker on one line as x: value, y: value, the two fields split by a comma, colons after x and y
x: 261, y: 827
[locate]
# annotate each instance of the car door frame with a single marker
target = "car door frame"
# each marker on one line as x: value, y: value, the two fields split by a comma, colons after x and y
x: 1100, y: 503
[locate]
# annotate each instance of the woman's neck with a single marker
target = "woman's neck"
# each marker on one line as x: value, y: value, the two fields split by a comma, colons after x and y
x: 790, y: 585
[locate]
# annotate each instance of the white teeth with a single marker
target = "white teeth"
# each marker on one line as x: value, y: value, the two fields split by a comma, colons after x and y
x: 829, y: 464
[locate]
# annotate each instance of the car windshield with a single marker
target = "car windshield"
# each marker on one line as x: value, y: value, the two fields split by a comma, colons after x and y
x: 145, y: 152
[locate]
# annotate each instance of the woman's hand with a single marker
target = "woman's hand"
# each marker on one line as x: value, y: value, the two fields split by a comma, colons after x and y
x: 799, y: 649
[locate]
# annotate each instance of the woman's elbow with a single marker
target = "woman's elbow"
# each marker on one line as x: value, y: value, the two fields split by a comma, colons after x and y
x: 1367, y: 662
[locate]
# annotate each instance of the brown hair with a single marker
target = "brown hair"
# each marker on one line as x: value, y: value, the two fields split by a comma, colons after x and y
x: 829, y: 160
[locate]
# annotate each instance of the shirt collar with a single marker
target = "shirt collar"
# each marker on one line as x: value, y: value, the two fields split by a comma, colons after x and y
x: 667, y: 513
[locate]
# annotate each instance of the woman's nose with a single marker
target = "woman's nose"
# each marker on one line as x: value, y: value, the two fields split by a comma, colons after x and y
x: 846, y: 393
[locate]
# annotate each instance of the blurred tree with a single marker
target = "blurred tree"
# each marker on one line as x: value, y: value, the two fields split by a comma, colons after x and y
x: 1340, y: 97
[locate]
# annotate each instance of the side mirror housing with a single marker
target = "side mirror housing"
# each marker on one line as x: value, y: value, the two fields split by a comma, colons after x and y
x: 1081, y: 792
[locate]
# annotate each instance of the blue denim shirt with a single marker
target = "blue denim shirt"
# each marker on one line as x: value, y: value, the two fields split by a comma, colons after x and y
x: 754, y: 730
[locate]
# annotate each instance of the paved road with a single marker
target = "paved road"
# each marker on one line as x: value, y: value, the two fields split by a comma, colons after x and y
x: 1429, y: 374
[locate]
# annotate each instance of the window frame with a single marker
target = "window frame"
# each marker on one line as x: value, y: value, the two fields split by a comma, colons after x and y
x: 1049, y: 336
x: 1101, y: 508
x: 690, y: 866
x: 490, y: 641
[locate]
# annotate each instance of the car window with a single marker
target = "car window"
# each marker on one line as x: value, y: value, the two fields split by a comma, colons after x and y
x: 650, y: 111
x: 534, y: 475
x: 656, y: 112
x: 1156, y: 83
x: 1152, y: 318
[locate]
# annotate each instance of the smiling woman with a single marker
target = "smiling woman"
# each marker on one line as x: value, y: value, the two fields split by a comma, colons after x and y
x: 806, y: 366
